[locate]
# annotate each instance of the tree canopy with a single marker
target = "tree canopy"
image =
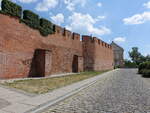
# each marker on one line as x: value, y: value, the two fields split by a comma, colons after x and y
x: 137, y: 57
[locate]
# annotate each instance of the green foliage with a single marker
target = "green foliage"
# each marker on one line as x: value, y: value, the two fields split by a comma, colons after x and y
x: 46, y: 23
x: 147, y: 58
x: 2, y: 12
x: 46, y: 27
x: 129, y: 64
x: 31, y: 19
x: 11, y: 8
x: 135, y: 55
x: 144, y: 68
x: 115, y: 67
x: 146, y: 73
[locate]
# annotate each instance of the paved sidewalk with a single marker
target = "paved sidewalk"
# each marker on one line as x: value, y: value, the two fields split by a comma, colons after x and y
x: 15, y: 102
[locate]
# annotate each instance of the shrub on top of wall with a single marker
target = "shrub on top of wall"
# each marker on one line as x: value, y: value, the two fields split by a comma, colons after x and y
x: 46, y: 27
x: 46, y: 23
x: 11, y: 8
x: 31, y: 19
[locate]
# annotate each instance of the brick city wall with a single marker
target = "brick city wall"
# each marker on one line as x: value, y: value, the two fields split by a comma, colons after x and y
x: 98, y: 55
x: 21, y: 48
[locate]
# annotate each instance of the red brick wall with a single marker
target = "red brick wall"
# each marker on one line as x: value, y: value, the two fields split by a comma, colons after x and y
x: 88, y: 53
x: 97, y: 54
x: 18, y: 43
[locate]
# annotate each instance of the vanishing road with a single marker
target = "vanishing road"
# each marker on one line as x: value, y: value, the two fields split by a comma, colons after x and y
x: 122, y: 91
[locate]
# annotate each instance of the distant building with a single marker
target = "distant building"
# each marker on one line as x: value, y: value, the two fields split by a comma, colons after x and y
x: 118, y: 55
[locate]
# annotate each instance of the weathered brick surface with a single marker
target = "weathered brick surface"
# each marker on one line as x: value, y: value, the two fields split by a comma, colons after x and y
x: 118, y: 55
x: 97, y: 54
x: 18, y: 43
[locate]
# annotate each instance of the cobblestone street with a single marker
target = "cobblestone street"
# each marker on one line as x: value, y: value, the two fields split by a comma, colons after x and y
x: 122, y: 91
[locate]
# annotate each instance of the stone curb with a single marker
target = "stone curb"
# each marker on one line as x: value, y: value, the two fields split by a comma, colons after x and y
x: 42, y: 107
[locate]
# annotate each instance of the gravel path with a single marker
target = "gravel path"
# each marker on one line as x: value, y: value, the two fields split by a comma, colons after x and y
x: 122, y: 91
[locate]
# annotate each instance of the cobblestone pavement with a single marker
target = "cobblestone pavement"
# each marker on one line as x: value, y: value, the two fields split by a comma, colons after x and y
x: 122, y: 91
x: 3, y: 103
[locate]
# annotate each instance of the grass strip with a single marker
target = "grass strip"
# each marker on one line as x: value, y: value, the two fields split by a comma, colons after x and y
x: 40, y: 86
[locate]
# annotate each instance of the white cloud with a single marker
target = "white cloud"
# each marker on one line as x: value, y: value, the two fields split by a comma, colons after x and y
x: 45, y: 5
x: 27, y: 1
x: 71, y: 4
x: 84, y: 23
x: 119, y: 39
x: 58, y: 19
x: 147, y: 5
x: 99, y: 18
x: 138, y: 18
x: 99, y: 4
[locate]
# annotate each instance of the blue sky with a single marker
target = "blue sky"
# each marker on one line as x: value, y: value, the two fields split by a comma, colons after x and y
x: 127, y: 22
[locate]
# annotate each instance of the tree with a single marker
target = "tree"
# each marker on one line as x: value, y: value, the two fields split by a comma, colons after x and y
x: 136, y: 56
x: 129, y: 64
x: 147, y: 58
